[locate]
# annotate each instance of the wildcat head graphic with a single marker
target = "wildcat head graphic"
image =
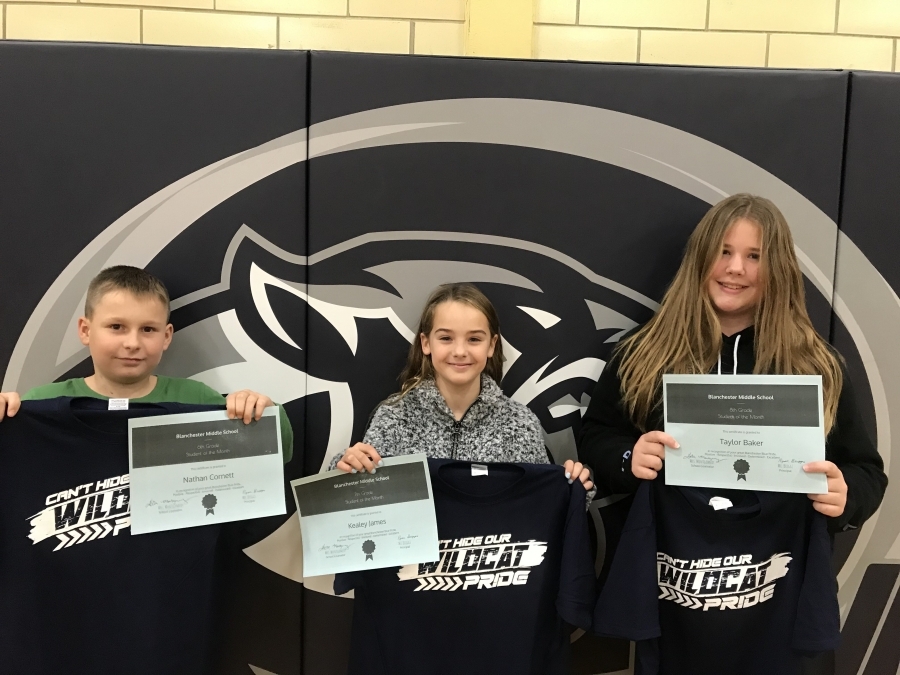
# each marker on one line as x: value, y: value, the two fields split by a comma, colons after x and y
x: 356, y: 312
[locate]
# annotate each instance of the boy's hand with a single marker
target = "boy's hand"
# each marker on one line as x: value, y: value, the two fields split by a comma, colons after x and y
x: 247, y: 405
x: 9, y: 404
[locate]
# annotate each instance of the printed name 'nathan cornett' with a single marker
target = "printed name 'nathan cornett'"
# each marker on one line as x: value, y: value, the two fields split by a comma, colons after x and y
x: 212, y: 476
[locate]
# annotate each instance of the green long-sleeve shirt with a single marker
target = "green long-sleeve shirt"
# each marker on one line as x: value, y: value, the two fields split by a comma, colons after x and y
x: 167, y: 390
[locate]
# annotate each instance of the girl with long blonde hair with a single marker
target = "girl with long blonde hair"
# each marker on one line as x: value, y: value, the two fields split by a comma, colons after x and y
x: 736, y: 305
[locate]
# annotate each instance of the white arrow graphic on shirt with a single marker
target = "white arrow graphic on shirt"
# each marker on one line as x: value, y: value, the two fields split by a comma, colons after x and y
x: 679, y: 598
x: 63, y: 540
x: 439, y: 583
x: 80, y: 535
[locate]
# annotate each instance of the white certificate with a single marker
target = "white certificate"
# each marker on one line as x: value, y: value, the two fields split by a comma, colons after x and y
x: 359, y: 521
x: 752, y: 432
x: 201, y: 468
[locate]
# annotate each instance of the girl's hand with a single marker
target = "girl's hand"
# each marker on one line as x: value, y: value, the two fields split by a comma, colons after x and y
x: 833, y: 503
x: 9, y: 404
x: 577, y: 471
x: 360, y: 458
x: 649, y: 453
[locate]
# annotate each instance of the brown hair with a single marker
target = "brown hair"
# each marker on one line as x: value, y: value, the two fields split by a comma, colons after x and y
x: 125, y: 278
x: 418, y: 365
x: 786, y: 342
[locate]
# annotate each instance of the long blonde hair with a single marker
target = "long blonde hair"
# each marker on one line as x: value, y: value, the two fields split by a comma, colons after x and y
x: 685, y: 336
x: 418, y: 366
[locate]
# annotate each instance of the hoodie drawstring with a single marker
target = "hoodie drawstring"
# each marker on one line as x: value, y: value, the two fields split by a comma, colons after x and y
x: 736, y: 341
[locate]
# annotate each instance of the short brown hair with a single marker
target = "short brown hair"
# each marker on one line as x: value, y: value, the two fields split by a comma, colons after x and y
x: 125, y: 278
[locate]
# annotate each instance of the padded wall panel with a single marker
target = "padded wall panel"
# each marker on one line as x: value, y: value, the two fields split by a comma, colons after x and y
x: 561, y: 188
x: 867, y: 317
x: 188, y: 162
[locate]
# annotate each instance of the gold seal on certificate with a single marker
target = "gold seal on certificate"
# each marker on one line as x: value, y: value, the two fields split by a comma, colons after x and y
x: 750, y: 432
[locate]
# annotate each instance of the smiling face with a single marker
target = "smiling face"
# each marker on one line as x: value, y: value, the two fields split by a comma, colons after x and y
x: 126, y: 335
x: 459, y: 344
x: 734, y: 285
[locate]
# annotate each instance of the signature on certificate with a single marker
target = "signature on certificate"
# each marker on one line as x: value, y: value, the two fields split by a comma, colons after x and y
x: 335, y: 547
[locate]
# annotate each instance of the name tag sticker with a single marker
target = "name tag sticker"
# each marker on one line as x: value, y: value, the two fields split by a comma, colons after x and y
x: 479, y: 470
x: 118, y: 404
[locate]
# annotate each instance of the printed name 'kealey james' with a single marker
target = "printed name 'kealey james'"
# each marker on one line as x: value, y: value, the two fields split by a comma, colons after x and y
x: 212, y: 476
x: 737, y: 441
x: 354, y: 526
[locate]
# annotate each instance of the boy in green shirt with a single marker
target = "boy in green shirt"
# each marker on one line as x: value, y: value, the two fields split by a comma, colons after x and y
x: 126, y: 328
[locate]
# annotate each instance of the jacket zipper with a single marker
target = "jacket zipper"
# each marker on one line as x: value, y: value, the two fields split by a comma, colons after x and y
x: 457, y: 428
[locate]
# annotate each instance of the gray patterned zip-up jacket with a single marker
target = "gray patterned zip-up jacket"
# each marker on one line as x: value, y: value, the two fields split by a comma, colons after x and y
x: 494, y: 428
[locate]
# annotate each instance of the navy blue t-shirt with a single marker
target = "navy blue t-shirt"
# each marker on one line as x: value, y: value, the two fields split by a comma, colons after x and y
x: 746, y: 591
x: 78, y: 593
x: 515, y: 565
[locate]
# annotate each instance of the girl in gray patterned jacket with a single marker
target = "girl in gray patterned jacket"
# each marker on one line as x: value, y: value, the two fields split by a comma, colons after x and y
x: 450, y: 404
